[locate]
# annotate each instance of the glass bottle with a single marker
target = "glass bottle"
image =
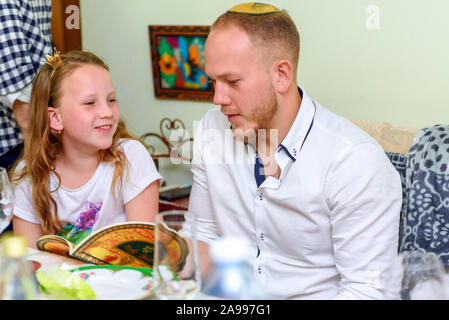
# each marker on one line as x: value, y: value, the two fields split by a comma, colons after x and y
x: 17, y: 281
x: 232, y: 276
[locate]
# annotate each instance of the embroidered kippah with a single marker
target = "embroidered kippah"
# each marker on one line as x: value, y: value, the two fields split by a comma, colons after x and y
x: 255, y: 8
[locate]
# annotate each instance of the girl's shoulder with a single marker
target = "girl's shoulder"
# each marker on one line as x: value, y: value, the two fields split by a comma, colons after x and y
x: 20, y: 165
x: 18, y: 170
x: 19, y: 178
x: 131, y: 146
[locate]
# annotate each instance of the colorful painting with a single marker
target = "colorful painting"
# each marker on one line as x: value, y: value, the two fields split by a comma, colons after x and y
x: 177, y: 54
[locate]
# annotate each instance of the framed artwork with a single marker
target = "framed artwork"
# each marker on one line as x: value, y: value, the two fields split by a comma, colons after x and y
x: 177, y: 55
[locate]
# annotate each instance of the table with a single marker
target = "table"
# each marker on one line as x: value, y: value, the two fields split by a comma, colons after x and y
x: 48, y: 260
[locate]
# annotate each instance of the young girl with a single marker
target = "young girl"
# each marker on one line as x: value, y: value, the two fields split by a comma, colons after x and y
x: 81, y: 170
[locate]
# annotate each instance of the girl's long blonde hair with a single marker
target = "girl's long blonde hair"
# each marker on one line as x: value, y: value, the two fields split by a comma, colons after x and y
x: 42, y: 144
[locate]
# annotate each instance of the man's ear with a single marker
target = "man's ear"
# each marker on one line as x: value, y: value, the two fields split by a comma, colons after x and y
x: 55, y: 119
x: 284, y: 75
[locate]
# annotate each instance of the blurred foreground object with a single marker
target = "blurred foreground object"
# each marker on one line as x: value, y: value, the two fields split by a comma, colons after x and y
x: 17, y: 281
x: 6, y: 200
x: 423, y: 277
x: 61, y: 284
x: 231, y: 276
x: 170, y: 264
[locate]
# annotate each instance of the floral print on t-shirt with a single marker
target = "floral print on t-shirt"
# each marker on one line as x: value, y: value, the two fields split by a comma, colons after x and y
x: 83, y: 225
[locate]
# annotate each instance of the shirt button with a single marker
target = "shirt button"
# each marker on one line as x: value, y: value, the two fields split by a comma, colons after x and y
x: 260, y: 196
x: 259, y: 269
x: 261, y: 236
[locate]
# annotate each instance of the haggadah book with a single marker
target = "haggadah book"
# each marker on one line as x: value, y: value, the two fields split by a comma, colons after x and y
x: 125, y: 244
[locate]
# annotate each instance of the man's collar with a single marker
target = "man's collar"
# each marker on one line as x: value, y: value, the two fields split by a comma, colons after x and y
x: 297, y: 134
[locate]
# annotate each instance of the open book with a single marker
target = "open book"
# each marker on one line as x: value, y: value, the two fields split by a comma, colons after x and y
x: 126, y: 244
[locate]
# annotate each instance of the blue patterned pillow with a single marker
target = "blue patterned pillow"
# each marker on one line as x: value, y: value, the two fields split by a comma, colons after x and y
x: 425, y: 215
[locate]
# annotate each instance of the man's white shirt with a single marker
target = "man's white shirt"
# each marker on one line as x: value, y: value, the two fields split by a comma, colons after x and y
x: 327, y: 228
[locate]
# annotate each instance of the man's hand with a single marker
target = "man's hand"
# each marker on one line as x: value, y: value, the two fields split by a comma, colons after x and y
x: 21, y: 112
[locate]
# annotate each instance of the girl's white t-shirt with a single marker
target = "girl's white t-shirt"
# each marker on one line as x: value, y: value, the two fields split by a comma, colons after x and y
x: 93, y: 206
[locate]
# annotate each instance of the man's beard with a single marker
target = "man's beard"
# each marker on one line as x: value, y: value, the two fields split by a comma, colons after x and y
x: 262, y: 116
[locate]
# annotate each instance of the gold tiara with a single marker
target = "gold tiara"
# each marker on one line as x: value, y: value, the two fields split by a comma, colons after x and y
x: 254, y: 8
x: 54, y: 61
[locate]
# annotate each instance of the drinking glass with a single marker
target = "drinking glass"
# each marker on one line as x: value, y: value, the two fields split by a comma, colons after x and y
x: 6, y: 200
x: 423, y: 276
x: 176, y: 272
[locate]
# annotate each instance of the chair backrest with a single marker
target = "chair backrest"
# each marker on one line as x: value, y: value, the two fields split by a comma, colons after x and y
x: 175, y: 139
x: 391, y: 137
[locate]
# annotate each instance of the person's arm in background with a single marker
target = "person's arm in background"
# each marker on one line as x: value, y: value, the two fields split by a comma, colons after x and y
x: 365, y: 195
x: 26, y: 38
x: 19, y: 103
x: 21, y: 112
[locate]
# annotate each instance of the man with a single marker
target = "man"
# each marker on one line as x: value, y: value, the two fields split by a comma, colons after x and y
x: 313, y: 195
x: 25, y: 35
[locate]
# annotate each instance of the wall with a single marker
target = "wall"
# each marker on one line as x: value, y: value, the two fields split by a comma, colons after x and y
x: 379, y: 59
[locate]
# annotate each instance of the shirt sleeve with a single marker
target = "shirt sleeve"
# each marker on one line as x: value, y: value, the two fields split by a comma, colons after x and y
x: 200, y: 205
x: 141, y: 170
x: 365, y: 196
x: 23, y: 202
x: 23, y: 95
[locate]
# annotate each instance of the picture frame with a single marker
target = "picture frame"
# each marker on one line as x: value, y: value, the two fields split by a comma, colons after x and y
x: 177, y: 60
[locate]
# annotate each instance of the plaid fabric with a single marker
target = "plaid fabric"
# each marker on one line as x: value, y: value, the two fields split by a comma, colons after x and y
x: 399, y: 161
x: 10, y: 133
x: 25, y: 35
